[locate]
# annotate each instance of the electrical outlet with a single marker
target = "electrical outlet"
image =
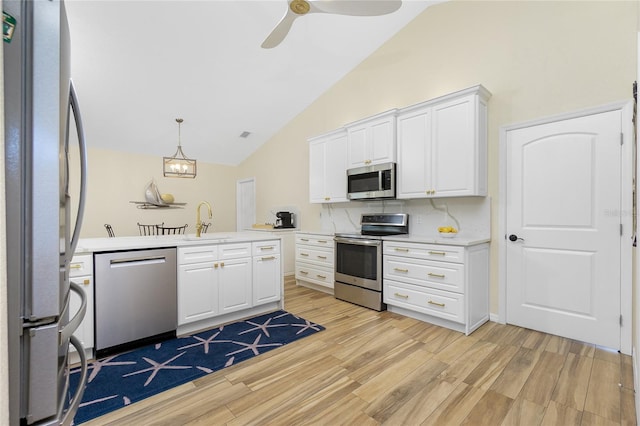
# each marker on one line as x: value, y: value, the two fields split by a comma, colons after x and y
x: 419, y: 219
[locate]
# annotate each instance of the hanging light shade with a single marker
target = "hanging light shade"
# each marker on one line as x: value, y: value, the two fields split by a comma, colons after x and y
x: 179, y: 165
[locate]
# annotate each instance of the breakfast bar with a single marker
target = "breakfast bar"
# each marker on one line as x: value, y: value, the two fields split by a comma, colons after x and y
x: 206, y: 281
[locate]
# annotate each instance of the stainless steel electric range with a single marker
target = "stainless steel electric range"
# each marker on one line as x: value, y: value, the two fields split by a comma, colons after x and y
x: 358, y: 265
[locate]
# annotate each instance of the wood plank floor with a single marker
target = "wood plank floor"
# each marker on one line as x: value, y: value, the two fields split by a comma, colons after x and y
x: 372, y: 368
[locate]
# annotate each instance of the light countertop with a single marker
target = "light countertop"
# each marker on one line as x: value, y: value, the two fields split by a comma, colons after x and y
x: 461, y: 239
x: 90, y: 245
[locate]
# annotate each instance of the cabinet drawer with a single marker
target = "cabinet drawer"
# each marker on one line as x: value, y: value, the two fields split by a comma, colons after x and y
x: 440, y: 275
x: 197, y: 254
x: 424, y: 251
x: 315, y: 240
x: 314, y: 255
x: 234, y: 251
x: 81, y: 265
x: 262, y: 248
x: 441, y: 304
x: 315, y: 274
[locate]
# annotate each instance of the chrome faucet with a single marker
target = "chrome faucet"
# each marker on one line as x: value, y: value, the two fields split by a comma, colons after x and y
x: 198, y: 221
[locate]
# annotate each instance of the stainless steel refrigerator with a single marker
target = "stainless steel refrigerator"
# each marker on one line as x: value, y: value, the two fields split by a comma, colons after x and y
x: 40, y: 110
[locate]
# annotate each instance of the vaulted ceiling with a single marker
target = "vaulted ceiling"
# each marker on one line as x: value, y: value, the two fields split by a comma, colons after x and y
x: 139, y: 65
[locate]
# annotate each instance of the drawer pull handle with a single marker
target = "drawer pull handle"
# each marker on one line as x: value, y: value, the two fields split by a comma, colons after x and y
x: 268, y: 258
x: 404, y: 296
x: 304, y: 254
x: 324, y: 277
x: 400, y: 270
x: 322, y: 241
x: 322, y: 257
x: 431, y: 302
x: 75, y: 266
x: 431, y: 274
x: 267, y: 248
x: 304, y: 239
x: 440, y: 253
x: 304, y: 272
x: 401, y: 249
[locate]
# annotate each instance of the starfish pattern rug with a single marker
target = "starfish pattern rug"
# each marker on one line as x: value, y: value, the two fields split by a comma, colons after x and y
x: 119, y: 380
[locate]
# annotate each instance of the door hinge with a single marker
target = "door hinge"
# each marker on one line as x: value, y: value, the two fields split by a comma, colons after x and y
x: 620, y: 320
x: 621, y: 138
x: 621, y: 233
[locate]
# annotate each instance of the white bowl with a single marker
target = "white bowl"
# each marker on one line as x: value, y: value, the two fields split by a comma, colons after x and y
x: 448, y: 234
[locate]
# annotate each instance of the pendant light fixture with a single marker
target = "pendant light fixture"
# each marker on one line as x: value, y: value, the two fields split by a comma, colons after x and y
x: 179, y: 165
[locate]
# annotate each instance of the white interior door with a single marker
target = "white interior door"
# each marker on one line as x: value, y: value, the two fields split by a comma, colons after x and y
x: 245, y: 204
x: 563, y: 227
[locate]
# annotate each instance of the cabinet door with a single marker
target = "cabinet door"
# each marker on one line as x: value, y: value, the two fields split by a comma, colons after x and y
x: 454, y: 150
x: 414, y: 146
x: 235, y: 284
x: 197, y: 292
x: 266, y: 279
x: 84, y: 332
x: 327, y: 168
x: 336, y: 169
x: 372, y: 141
x: 358, y: 147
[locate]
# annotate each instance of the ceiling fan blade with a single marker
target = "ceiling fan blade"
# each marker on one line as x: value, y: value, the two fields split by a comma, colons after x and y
x: 280, y: 31
x: 356, y: 7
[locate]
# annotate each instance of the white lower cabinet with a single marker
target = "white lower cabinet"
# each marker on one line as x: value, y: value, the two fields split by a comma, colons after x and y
x: 198, y: 283
x: 315, y: 261
x: 441, y: 284
x: 215, y: 280
x: 267, y: 272
x: 81, y: 273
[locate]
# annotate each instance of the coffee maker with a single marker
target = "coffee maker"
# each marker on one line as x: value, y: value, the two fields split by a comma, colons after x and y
x: 284, y: 220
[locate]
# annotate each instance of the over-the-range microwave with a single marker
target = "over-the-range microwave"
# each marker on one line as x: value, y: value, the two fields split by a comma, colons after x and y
x: 373, y: 182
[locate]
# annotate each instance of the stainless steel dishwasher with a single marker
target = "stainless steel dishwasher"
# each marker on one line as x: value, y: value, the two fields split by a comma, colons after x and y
x: 135, y: 298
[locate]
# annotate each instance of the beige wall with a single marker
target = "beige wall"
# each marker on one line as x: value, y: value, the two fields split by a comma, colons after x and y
x: 115, y: 179
x: 537, y: 59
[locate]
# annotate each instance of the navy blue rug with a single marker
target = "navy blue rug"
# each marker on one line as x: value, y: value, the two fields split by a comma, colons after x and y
x: 119, y: 380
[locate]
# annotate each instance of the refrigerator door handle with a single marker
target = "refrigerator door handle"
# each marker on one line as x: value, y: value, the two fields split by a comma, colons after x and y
x: 73, y: 103
x: 67, y: 331
x: 67, y: 420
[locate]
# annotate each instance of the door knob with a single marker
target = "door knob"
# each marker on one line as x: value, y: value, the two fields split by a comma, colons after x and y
x: 514, y: 237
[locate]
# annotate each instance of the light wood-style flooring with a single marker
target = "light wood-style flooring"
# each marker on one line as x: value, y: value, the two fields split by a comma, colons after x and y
x: 371, y: 368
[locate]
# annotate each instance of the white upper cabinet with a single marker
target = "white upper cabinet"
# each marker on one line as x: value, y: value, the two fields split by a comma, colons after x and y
x: 442, y: 146
x: 328, y: 167
x: 372, y: 140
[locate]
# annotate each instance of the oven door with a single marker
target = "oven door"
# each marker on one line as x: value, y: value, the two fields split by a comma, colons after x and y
x: 359, y: 262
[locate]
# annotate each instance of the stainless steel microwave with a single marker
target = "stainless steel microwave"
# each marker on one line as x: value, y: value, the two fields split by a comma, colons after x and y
x: 373, y: 182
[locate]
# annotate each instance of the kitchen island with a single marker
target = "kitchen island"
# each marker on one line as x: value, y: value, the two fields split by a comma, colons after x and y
x: 220, y: 277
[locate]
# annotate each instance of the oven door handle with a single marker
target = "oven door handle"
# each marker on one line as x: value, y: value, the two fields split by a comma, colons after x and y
x: 358, y: 242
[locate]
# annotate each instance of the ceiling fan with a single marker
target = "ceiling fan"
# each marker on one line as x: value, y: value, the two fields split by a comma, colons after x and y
x: 299, y: 8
